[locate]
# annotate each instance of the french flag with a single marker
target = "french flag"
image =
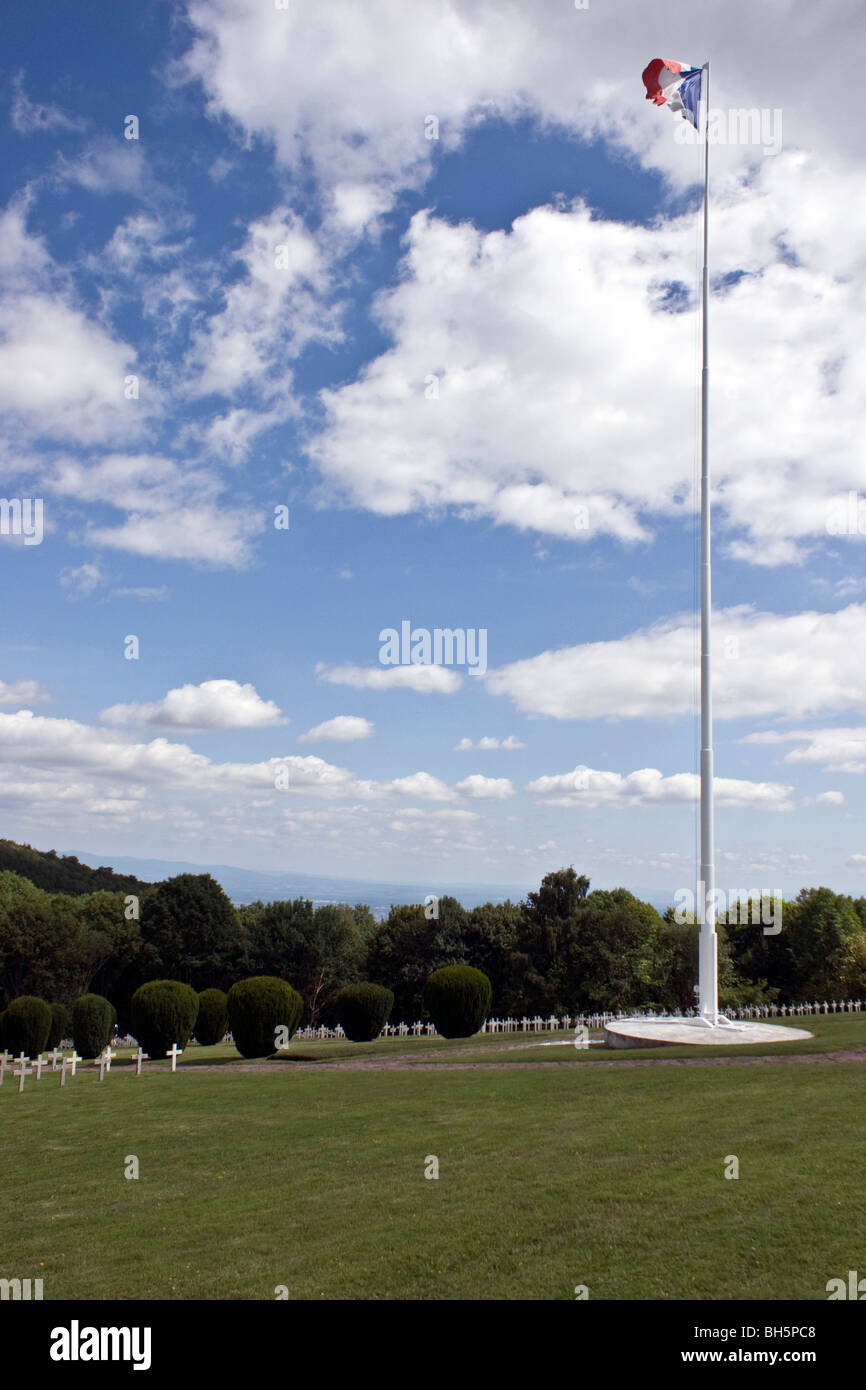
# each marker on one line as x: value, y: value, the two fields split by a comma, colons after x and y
x: 676, y: 85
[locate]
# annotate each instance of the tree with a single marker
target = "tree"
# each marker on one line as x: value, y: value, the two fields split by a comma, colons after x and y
x: 814, y: 928
x: 408, y: 946
x: 492, y: 942
x: 609, y: 957
x: 318, y: 949
x: 190, y: 933
x: 550, y: 923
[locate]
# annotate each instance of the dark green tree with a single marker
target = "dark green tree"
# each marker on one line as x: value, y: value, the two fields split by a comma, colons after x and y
x: 190, y: 933
x: 408, y: 946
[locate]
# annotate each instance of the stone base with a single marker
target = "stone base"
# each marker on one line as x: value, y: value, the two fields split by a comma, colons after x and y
x: 676, y: 1032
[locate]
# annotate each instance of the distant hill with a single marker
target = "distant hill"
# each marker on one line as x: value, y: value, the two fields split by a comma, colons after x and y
x: 57, y: 873
x: 249, y: 885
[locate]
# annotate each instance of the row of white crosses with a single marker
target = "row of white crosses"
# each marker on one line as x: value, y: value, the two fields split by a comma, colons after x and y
x: 69, y: 1064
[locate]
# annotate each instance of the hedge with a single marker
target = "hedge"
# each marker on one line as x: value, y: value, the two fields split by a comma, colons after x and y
x: 458, y: 998
x: 363, y: 1010
x: 26, y: 1025
x: 257, y: 1007
x: 60, y: 1022
x: 93, y: 1019
x: 212, y: 1020
x: 162, y: 1013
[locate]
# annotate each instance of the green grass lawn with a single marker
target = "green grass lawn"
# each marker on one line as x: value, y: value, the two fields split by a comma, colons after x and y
x: 313, y: 1177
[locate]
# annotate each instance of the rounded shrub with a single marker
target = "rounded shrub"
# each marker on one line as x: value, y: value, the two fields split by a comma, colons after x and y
x: 26, y: 1026
x: 212, y: 1020
x: 257, y: 1007
x: 457, y: 998
x: 2, y: 1030
x: 363, y: 1010
x: 93, y: 1020
x: 59, y: 1025
x: 161, y: 1013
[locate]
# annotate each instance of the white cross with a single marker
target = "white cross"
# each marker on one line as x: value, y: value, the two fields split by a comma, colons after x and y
x: 103, y: 1062
x: 39, y: 1064
x: 74, y: 1060
x: 55, y: 1058
x: 109, y: 1057
x: 174, y: 1052
x: 139, y: 1058
x: 24, y: 1071
x: 5, y: 1059
x: 63, y: 1067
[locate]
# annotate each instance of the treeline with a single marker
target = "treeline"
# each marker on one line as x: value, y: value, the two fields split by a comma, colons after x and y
x: 62, y: 873
x: 563, y: 949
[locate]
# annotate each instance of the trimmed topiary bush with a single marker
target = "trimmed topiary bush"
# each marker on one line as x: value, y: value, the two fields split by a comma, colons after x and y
x: 457, y: 998
x: 257, y: 1007
x: 363, y: 1010
x: 161, y: 1013
x: 212, y: 1021
x: 59, y: 1025
x: 26, y: 1025
x: 93, y: 1019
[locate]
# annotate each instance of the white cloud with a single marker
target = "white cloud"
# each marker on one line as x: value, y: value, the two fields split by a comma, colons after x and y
x: 53, y: 747
x: 173, y: 511
x: 350, y: 88
x: 28, y: 116
x: 216, y: 704
x: 107, y: 166
x: 422, y: 785
x: 838, y: 750
x: 343, y: 728
x: 80, y: 581
x: 269, y: 316
x: 588, y: 787
x: 764, y: 664
x: 22, y: 690
x: 488, y: 743
x: 548, y: 402
x: 485, y: 788
x: 426, y: 680
x: 830, y: 799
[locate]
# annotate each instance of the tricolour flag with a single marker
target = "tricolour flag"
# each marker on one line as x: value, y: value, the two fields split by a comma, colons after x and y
x: 674, y: 84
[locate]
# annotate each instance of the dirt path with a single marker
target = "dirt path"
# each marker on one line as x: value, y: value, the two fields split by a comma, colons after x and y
x: 417, y: 1062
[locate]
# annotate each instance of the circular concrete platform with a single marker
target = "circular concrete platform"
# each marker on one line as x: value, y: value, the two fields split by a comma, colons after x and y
x: 674, y: 1032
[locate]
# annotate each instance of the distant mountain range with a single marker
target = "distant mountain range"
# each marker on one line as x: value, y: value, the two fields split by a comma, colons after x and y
x: 248, y: 885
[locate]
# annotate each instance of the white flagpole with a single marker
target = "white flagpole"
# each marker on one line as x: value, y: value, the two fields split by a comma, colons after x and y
x: 708, y: 983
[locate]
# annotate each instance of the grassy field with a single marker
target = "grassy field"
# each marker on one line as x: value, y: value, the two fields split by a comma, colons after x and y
x: 313, y: 1177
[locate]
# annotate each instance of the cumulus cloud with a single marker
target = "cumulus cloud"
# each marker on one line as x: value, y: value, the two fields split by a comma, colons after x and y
x: 22, y: 690
x: 838, y: 750
x: 764, y: 664
x: 216, y: 704
x: 426, y: 680
x: 547, y: 402
x: 349, y: 91
x: 343, y: 728
x: 422, y: 785
x: 588, y: 787
x: 173, y: 512
x: 269, y: 315
x: 485, y: 788
x: 487, y: 744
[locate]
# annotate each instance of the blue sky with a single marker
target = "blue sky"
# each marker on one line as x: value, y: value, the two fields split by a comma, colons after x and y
x: 467, y: 365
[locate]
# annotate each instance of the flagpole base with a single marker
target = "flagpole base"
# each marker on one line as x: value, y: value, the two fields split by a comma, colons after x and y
x: 669, y: 1030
